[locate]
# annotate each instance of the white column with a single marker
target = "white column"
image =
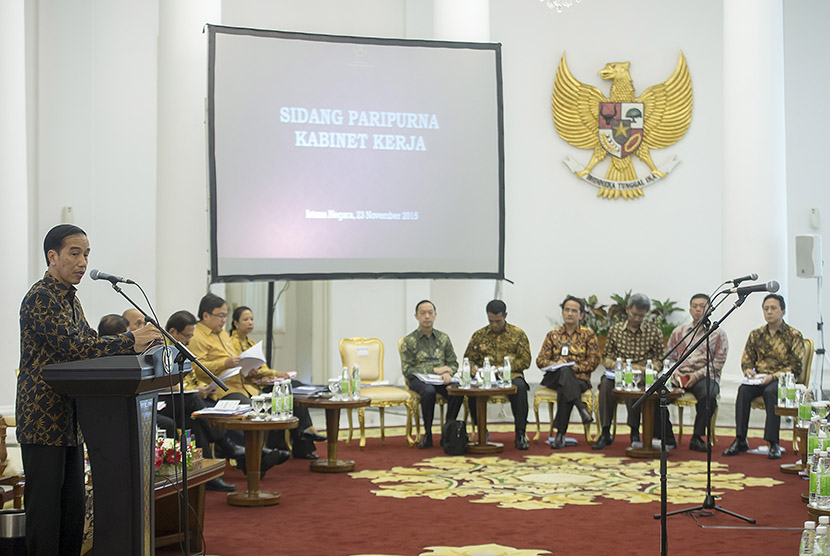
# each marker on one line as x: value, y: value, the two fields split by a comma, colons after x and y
x: 14, y: 222
x: 182, y: 221
x: 462, y: 20
x: 754, y: 194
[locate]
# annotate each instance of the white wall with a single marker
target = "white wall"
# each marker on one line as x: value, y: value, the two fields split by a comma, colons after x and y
x: 804, y: 56
x: 120, y: 112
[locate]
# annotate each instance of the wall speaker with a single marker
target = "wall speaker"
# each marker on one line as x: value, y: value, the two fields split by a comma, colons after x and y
x: 808, y: 256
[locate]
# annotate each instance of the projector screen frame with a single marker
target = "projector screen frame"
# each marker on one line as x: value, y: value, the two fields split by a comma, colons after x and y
x: 215, y: 276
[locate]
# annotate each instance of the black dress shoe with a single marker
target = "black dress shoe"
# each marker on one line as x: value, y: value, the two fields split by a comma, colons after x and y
x: 558, y: 442
x: 603, y: 441
x: 219, y: 485
x: 426, y: 442
x: 272, y: 458
x: 774, y: 451
x: 313, y: 436
x: 309, y: 455
x: 521, y: 441
x: 736, y: 448
x: 697, y: 444
x: 226, y: 449
x: 586, y: 416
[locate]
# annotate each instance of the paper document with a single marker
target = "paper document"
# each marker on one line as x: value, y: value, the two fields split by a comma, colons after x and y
x: 227, y: 374
x: 754, y: 381
x: 559, y: 366
x: 252, y: 359
x: 308, y: 389
x: 225, y: 407
x: 429, y: 378
x: 379, y: 383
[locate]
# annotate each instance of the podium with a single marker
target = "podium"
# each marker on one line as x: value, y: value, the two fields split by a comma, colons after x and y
x: 115, y: 399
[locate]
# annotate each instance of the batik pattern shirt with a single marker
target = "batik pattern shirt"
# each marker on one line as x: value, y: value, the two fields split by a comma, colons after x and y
x: 53, y: 329
x: 512, y: 342
x: 641, y: 345
x: 774, y: 354
x: 695, y: 364
x: 422, y: 354
x: 583, y: 350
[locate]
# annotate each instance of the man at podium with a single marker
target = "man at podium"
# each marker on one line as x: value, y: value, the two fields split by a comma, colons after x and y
x: 53, y: 329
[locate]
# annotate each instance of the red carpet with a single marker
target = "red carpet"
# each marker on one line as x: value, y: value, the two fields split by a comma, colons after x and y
x: 338, y: 514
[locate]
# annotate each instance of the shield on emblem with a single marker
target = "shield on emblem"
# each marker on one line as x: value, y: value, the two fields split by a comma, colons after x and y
x: 621, y: 127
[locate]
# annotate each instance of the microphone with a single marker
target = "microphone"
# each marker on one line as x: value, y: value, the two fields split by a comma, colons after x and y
x: 771, y: 286
x: 737, y: 281
x: 96, y: 274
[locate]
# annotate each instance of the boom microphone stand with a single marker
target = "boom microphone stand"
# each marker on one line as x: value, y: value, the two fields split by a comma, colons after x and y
x: 660, y: 387
x: 183, y: 355
x: 708, y: 500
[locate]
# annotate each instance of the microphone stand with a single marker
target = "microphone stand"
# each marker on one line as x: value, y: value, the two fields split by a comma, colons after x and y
x: 660, y: 387
x: 708, y: 500
x: 183, y: 355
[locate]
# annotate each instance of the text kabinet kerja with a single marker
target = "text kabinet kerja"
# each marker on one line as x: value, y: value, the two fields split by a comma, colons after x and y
x: 358, y: 118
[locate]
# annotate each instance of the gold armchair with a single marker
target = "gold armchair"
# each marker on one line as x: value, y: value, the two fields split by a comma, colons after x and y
x: 16, y: 482
x: 367, y: 353
x: 550, y: 396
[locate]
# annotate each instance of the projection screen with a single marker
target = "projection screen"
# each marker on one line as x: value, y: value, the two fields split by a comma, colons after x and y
x: 334, y: 157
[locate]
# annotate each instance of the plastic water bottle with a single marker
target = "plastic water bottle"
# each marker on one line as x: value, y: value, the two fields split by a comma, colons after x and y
x: 619, y: 382
x: 345, y: 384
x: 485, y: 373
x: 814, y: 462
x: 356, y: 382
x: 812, y: 435
x: 465, y: 373
x: 823, y: 441
x: 666, y: 367
x: 805, y: 405
x: 820, y: 545
x: 649, y: 374
x: 782, y: 391
x: 629, y: 375
x: 506, y: 372
x: 289, y: 399
x: 276, y: 400
x: 808, y: 539
x: 791, y: 399
x: 823, y: 483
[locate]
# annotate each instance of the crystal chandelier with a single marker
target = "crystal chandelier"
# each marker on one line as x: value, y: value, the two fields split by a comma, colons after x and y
x: 559, y: 5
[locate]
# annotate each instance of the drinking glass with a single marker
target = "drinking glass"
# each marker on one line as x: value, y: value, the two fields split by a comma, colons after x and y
x: 637, y: 377
x: 256, y: 406
x: 334, y: 388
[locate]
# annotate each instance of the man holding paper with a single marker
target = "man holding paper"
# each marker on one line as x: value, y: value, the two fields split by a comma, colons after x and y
x: 499, y: 340
x: 691, y: 374
x: 429, y: 353
x: 568, y: 356
x: 770, y: 351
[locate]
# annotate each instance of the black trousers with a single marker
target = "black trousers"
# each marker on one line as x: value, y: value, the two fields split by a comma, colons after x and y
x: 518, y: 404
x: 54, y: 498
x: 427, y: 393
x: 702, y: 417
x: 747, y: 393
x: 568, y: 391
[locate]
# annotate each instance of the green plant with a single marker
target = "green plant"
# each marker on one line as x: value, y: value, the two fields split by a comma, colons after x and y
x: 596, y: 316
x: 660, y: 313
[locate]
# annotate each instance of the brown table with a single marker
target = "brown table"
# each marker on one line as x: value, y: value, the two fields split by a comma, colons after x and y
x: 254, y: 437
x: 331, y: 464
x: 168, y: 528
x: 481, y: 395
x: 647, y: 412
x: 801, y: 433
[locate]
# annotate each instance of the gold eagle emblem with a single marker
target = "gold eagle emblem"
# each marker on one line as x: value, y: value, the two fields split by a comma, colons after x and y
x: 622, y: 124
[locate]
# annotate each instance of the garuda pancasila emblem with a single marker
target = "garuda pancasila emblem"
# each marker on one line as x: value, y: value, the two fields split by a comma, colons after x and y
x: 621, y: 125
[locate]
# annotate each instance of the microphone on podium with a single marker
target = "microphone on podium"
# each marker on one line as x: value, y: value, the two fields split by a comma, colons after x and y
x: 737, y: 281
x: 96, y: 274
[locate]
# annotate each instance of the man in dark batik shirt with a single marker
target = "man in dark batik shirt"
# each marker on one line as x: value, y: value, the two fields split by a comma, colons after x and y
x: 53, y: 330
x: 770, y: 351
x: 498, y: 340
